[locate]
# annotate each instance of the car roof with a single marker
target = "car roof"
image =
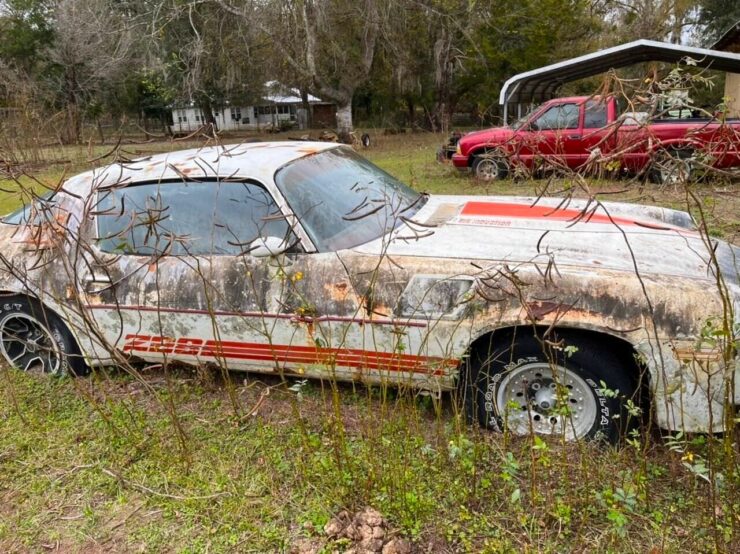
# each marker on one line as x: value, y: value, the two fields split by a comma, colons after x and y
x: 253, y: 160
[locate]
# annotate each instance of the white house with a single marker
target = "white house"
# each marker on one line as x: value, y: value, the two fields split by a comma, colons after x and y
x: 280, y: 107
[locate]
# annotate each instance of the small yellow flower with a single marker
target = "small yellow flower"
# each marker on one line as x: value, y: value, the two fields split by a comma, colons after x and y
x: 297, y: 276
x: 688, y: 457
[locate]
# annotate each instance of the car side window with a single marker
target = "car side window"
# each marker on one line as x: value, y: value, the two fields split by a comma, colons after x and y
x: 563, y: 116
x: 595, y: 116
x: 187, y: 218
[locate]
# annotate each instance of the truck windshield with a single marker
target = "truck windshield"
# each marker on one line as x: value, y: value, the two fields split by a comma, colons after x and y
x: 524, y: 118
x: 342, y: 200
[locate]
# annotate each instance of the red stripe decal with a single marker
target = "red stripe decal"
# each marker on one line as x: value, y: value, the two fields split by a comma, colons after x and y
x: 346, y: 357
x: 528, y: 211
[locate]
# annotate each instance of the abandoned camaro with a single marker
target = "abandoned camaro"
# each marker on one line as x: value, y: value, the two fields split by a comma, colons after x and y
x: 548, y: 315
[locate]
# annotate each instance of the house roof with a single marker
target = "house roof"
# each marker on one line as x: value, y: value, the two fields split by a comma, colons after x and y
x: 541, y: 84
x: 280, y: 94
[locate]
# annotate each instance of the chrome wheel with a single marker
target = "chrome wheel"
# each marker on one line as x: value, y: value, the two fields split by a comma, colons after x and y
x: 28, y: 345
x: 674, y: 169
x: 487, y: 169
x: 546, y: 399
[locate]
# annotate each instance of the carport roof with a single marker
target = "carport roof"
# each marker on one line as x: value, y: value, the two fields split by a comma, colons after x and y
x: 538, y: 85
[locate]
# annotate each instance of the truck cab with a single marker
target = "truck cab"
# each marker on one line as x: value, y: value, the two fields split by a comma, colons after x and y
x: 579, y: 133
x: 563, y: 131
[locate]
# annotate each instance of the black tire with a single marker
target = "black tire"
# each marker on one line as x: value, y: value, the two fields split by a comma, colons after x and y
x: 488, y: 167
x: 49, y: 346
x: 511, y: 386
x: 672, y: 167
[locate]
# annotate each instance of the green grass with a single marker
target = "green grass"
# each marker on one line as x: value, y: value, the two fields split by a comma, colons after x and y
x: 115, y: 477
x: 95, y: 465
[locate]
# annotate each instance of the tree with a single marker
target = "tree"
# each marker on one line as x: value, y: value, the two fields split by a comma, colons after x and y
x: 204, y: 55
x: 429, y: 43
x: 651, y: 19
x: 716, y: 17
x: 92, y: 48
x: 25, y: 30
x: 325, y: 46
x: 512, y: 38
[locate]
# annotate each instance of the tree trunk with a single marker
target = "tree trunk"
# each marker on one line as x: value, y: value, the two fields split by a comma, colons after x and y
x: 344, y: 121
x: 207, y: 109
x: 306, y: 105
x: 72, y: 124
x: 101, y: 135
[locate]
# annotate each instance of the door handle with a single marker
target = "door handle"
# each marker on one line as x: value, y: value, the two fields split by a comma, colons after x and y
x: 574, y: 137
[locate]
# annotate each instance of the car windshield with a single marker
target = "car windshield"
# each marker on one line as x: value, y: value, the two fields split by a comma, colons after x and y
x: 343, y: 200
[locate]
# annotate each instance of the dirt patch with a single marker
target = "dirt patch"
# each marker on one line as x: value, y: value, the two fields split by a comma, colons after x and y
x: 364, y: 532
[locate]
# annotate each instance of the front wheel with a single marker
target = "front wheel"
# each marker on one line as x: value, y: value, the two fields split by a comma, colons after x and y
x: 487, y: 167
x: 572, y: 389
x: 34, y: 339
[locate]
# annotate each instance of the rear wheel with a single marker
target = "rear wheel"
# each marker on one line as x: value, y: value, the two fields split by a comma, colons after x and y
x: 672, y: 167
x: 34, y: 339
x: 488, y: 167
x: 574, y: 390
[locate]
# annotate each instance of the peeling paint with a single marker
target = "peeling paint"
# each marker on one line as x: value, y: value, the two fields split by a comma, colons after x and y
x: 650, y: 286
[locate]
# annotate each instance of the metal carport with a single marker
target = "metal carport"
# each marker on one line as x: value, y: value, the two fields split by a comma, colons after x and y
x: 539, y: 85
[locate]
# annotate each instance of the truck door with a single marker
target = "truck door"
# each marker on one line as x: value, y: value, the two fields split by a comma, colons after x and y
x: 595, y: 137
x: 549, y: 138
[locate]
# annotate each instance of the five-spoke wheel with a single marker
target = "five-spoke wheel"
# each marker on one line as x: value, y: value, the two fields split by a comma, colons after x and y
x: 33, y: 338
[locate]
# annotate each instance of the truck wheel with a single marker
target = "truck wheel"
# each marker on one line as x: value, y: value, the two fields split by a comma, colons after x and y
x: 34, y: 339
x: 576, y: 391
x: 672, y: 167
x: 489, y: 168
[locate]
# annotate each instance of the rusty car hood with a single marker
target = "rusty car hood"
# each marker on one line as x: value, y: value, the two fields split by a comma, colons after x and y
x: 575, y: 233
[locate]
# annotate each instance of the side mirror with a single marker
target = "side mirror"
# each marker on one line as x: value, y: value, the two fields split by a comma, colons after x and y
x: 267, y: 246
x: 533, y: 126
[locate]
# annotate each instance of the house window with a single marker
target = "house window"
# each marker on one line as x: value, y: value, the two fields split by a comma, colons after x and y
x: 236, y: 114
x: 197, y: 118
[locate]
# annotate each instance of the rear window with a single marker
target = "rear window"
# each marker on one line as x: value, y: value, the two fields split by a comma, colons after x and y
x: 33, y: 213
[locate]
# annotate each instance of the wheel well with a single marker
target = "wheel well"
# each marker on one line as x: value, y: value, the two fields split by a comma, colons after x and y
x: 484, y: 150
x: 44, y: 307
x: 622, y: 349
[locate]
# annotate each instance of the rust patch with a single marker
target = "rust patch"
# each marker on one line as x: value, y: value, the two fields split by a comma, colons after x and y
x: 538, y: 310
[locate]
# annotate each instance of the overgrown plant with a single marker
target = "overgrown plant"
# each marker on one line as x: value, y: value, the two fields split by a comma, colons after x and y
x: 415, y: 459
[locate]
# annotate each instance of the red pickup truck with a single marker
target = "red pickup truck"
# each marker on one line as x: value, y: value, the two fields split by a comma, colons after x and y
x: 585, y: 133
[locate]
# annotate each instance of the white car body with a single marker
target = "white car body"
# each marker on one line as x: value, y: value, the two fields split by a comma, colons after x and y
x: 403, y: 308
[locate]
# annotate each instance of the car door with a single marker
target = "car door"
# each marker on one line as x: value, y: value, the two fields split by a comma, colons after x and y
x: 181, y: 276
x: 176, y: 275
